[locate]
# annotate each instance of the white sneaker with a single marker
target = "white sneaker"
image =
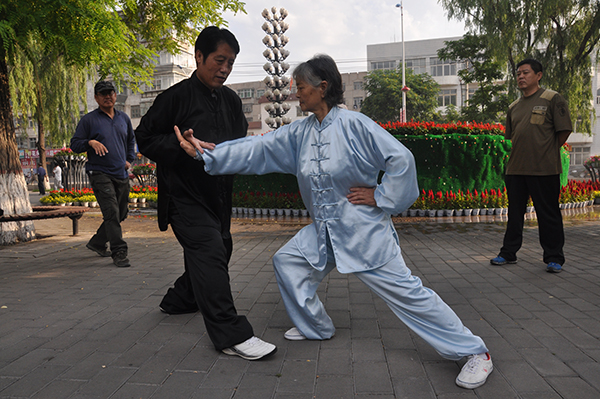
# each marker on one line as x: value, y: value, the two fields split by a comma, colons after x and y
x: 251, y: 349
x: 475, y: 371
x: 293, y: 334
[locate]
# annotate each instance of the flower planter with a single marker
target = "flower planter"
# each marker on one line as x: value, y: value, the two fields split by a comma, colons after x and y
x: 448, y: 212
x: 272, y: 212
x: 142, y: 199
x: 133, y: 200
x: 404, y: 214
x: 412, y: 212
x: 295, y: 212
x: 250, y: 211
x: 467, y: 212
x: 421, y: 212
x: 483, y: 211
x: 458, y: 212
x: 93, y: 204
x: 287, y: 212
x: 234, y: 211
x: 498, y: 211
x: 280, y: 212
x: 596, y: 201
x: 304, y: 212
x: 86, y: 204
x: 264, y: 211
x: 475, y: 212
x: 257, y: 211
x: 430, y: 212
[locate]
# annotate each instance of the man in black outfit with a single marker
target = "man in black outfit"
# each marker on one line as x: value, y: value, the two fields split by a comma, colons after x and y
x: 195, y: 204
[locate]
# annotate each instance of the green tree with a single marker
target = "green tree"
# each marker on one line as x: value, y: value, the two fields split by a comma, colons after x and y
x: 384, y: 100
x: 489, y: 102
x: 561, y: 34
x: 118, y: 37
x: 43, y: 86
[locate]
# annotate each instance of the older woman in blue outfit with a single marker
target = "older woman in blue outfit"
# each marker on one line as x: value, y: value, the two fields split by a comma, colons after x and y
x: 336, y: 156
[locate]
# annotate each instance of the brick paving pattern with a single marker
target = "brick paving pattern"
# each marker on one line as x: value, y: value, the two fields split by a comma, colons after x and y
x: 73, y: 326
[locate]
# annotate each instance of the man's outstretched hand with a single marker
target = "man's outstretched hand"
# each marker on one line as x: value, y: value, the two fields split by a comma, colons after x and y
x: 190, y: 144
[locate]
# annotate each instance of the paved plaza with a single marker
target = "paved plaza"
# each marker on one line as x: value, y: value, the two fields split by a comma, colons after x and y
x: 74, y: 326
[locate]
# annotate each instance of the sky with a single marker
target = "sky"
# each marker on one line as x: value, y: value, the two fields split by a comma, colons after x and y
x: 339, y: 28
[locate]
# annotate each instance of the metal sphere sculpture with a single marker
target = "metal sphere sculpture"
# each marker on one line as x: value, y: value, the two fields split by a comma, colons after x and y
x: 276, y: 67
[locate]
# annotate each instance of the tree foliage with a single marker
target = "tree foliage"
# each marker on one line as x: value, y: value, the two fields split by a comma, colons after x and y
x: 384, y: 100
x: 561, y: 34
x: 43, y: 86
x: 489, y: 101
x: 116, y: 37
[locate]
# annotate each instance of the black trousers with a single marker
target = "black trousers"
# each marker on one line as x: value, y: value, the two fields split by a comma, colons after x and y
x: 41, y: 185
x: 544, y: 191
x: 112, y: 195
x: 204, y: 284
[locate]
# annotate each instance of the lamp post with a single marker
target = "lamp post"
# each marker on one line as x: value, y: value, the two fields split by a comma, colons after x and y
x: 404, y: 88
x: 276, y: 67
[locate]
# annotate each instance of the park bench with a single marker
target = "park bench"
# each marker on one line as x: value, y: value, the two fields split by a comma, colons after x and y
x: 49, y: 212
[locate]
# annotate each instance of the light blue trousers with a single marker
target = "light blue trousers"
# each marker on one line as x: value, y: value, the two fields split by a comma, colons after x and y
x: 420, y: 308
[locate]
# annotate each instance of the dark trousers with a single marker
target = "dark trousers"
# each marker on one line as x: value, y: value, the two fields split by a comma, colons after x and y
x: 205, y: 284
x: 544, y: 191
x: 41, y: 185
x: 112, y: 195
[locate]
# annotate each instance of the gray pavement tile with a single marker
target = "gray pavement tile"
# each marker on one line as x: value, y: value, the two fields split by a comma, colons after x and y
x: 298, y: 376
x: 58, y: 389
x: 372, y: 377
x: 573, y: 387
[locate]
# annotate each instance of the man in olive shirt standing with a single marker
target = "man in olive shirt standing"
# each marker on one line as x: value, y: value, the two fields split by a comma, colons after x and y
x: 538, y: 124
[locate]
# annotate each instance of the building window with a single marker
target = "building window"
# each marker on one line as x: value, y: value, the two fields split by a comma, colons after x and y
x: 135, y: 111
x: 447, y: 97
x: 357, y: 102
x: 598, y: 97
x: 417, y: 65
x: 32, y: 142
x: 442, y: 67
x: 579, y: 155
x: 299, y: 112
x: 246, y: 93
x: 144, y: 107
x: 260, y: 93
x: 246, y: 108
x: 120, y: 107
x: 358, y: 85
x: 383, y: 65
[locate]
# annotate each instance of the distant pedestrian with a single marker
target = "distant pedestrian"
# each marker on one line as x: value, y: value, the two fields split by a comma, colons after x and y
x: 41, y: 179
x: 538, y: 124
x: 107, y: 136
x: 57, y: 177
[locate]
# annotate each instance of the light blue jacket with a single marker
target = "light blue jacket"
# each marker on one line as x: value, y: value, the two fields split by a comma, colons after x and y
x: 346, y: 150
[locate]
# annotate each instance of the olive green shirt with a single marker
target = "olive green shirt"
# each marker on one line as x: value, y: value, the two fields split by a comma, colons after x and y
x: 532, y: 124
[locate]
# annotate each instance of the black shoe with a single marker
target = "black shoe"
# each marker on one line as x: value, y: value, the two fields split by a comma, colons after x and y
x: 120, y: 259
x: 100, y: 251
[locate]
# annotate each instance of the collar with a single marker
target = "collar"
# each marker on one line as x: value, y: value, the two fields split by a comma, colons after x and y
x: 202, y: 87
x: 328, y: 120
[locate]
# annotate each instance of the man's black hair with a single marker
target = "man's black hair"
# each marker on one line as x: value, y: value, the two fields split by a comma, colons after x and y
x: 209, y: 39
x: 535, y: 65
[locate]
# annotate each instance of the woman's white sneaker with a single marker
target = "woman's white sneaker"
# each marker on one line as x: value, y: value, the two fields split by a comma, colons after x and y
x: 251, y: 349
x: 475, y: 371
x: 293, y: 334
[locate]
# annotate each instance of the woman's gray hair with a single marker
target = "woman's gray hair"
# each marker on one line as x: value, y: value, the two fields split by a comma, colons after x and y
x: 322, y: 68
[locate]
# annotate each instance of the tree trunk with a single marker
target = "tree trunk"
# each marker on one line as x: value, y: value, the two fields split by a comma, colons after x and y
x: 14, y: 198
